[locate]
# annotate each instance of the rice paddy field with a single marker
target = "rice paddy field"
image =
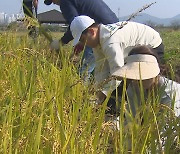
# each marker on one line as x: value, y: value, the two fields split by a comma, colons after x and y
x: 45, y: 107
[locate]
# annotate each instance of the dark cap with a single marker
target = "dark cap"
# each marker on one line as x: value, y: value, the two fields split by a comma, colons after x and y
x: 48, y: 2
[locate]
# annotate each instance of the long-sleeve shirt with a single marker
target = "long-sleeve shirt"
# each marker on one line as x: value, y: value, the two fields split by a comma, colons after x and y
x: 96, y: 9
x: 115, y: 45
x: 169, y: 93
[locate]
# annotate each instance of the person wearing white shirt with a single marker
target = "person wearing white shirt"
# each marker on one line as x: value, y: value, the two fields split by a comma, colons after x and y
x: 111, y: 44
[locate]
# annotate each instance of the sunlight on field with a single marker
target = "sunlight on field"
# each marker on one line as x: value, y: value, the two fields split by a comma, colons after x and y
x: 45, y: 107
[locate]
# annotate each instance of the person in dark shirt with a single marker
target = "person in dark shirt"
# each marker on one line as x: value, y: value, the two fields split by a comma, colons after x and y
x: 97, y: 10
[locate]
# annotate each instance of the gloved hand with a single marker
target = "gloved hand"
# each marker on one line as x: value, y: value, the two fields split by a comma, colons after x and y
x: 78, y: 48
x: 55, y: 45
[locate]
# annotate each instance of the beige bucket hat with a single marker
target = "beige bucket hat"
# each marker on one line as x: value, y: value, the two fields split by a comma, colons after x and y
x: 138, y: 67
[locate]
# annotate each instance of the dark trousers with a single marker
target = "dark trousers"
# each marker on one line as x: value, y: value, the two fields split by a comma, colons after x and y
x: 27, y: 8
x: 114, y: 105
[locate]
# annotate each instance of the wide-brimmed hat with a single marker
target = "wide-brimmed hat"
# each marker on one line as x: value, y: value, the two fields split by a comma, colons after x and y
x: 78, y: 25
x: 48, y: 2
x: 138, y: 67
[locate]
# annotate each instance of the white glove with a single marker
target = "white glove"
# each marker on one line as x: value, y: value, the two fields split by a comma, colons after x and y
x: 55, y: 44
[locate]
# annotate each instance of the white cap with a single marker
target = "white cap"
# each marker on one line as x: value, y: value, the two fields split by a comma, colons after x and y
x: 138, y: 67
x: 78, y: 25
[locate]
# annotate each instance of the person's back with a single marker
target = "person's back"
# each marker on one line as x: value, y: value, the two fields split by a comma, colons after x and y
x: 129, y: 35
x: 96, y: 9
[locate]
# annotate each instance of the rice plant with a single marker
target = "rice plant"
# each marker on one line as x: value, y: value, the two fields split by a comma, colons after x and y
x: 45, y: 107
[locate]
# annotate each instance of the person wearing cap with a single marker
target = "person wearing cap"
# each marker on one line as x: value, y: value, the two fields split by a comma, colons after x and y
x: 111, y: 44
x: 142, y: 65
x: 97, y: 10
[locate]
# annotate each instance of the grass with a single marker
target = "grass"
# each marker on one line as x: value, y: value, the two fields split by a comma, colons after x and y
x: 171, y: 40
x: 46, y: 108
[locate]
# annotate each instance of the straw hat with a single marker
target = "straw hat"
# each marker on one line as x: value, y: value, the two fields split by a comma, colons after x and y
x: 138, y: 67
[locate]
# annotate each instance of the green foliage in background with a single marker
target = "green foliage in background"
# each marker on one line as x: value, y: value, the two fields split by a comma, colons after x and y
x: 171, y: 40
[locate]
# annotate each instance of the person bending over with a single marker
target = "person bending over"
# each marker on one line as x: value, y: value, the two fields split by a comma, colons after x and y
x: 111, y: 44
x: 97, y: 10
x: 141, y: 66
